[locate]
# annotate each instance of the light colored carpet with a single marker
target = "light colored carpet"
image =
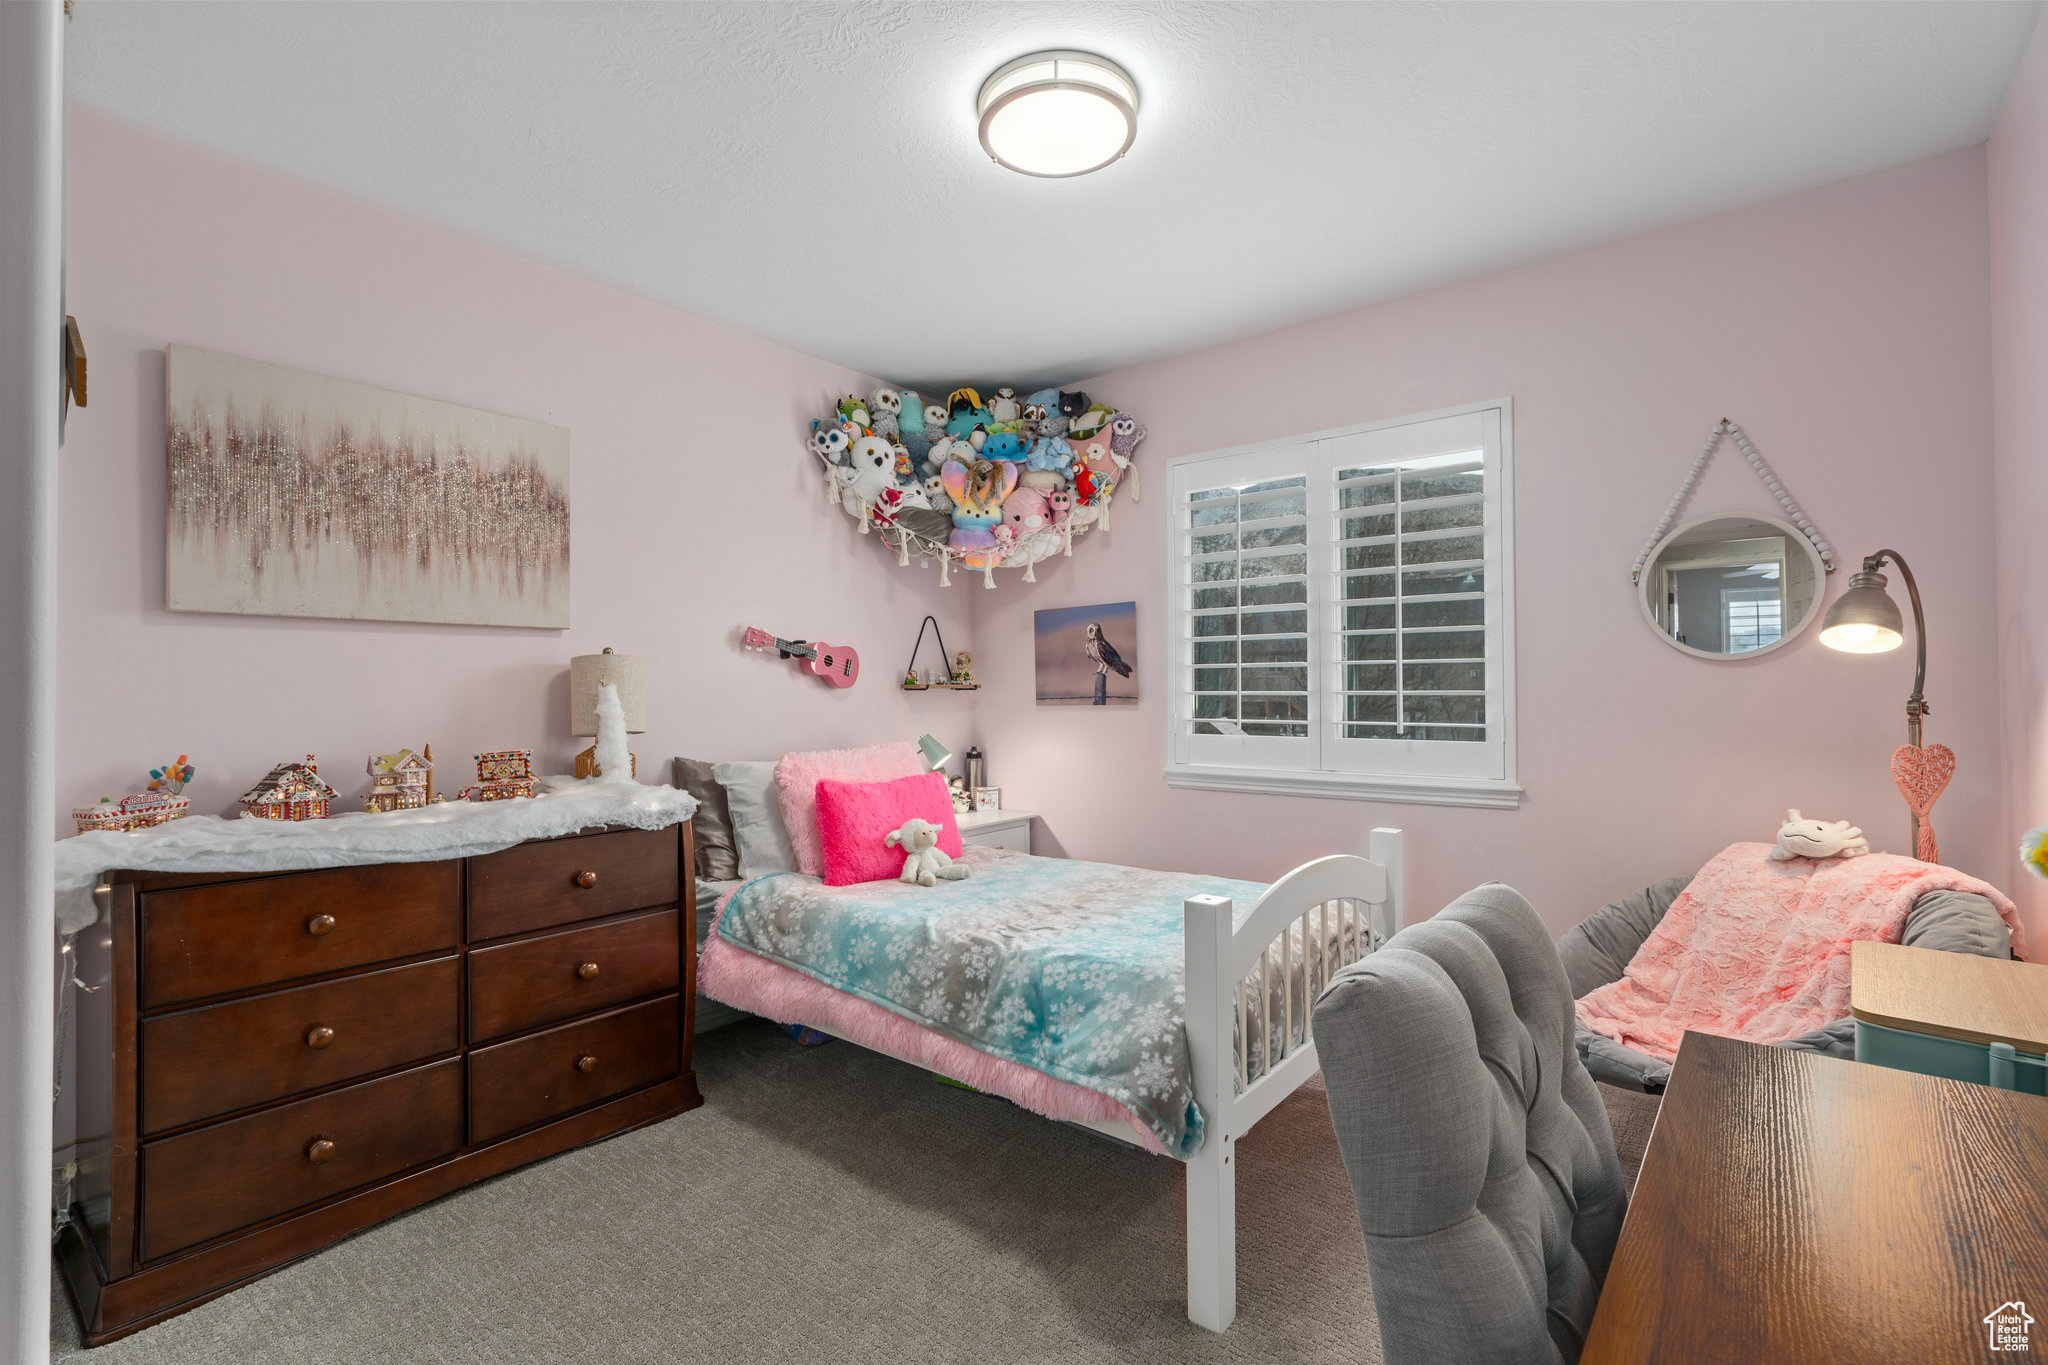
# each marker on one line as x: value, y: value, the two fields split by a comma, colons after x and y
x: 825, y: 1204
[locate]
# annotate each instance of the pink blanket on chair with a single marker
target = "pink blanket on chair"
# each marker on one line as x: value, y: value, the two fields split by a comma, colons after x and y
x: 1759, y: 950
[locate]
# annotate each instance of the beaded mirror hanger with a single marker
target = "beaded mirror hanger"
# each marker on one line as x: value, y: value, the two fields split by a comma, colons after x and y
x: 1793, y: 510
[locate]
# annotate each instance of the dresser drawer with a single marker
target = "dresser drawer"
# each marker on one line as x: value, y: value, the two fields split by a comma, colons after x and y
x: 561, y: 881
x: 204, y: 1183
x: 206, y: 940
x: 517, y: 1084
x: 558, y: 976
x: 1016, y: 836
x: 218, y: 1058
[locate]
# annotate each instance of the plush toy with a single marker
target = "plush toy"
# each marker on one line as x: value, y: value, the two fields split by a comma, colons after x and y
x: 964, y: 420
x: 1004, y: 407
x: 1006, y: 540
x: 1059, y: 504
x: 976, y: 438
x: 948, y: 448
x: 1002, y: 445
x: 1030, y: 421
x: 906, y: 468
x: 885, y: 407
x: 851, y: 409
x: 1124, y: 435
x: 935, y: 494
x: 924, y: 862
x: 892, y: 502
x: 1091, y: 421
x: 829, y: 440
x: 1051, y: 453
x: 1802, y: 838
x: 1051, y: 421
x: 978, y: 493
x: 871, y: 468
x: 1072, y: 405
x: 927, y: 523
x: 1027, y: 510
x: 935, y: 415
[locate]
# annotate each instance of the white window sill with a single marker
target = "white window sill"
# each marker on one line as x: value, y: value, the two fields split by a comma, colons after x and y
x: 1486, y: 792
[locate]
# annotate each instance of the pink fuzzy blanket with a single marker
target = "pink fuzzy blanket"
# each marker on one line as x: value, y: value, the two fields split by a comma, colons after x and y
x: 1759, y: 950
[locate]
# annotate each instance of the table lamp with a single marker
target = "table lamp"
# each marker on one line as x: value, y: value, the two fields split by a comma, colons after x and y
x: 1865, y: 620
x: 934, y: 752
x: 587, y: 673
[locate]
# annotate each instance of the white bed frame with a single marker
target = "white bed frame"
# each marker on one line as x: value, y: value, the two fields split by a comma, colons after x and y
x: 1363, y: 898
x: 1366, y: 894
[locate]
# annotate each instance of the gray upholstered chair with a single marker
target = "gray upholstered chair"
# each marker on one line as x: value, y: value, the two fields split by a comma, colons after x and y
x: 1597, y: 950
x: 1478, y: 1148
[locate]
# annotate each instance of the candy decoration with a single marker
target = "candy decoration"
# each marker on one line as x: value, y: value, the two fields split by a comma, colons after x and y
x: 172, y: 777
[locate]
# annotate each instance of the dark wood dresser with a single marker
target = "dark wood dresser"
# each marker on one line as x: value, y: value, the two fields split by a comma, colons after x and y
x: 268, y: 1062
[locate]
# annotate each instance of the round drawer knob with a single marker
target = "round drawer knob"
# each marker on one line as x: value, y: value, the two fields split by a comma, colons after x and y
x: 586, y: 970
x: 586, y: 1064
x: 320, y: 924
x: 586, y: 879
x: 320, y: 1151
x: 319, y: 1036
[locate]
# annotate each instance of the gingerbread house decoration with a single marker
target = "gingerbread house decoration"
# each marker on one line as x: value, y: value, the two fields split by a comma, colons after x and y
x: 502, y: 775
x: 291, y: 791
x: 400, y: 781
x: 139, y: 811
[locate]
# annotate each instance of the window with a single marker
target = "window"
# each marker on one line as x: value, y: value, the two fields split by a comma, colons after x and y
x: 1343, y: 614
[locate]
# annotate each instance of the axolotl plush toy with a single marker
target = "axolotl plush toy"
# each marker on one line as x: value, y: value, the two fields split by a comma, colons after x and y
x: 924, y: 862
x: 1802, y: 838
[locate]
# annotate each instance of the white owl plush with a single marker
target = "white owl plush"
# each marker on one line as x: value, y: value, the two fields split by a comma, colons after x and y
x: 1802, y: 838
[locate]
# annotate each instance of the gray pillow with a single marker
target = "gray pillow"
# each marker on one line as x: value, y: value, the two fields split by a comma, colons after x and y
x: 718, y: 857
x: 757, y: 825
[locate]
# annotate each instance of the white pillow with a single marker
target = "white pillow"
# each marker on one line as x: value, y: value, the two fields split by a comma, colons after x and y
x: 757, y: 826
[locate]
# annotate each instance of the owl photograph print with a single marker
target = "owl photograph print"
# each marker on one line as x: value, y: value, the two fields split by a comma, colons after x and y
x: 1085, y: 655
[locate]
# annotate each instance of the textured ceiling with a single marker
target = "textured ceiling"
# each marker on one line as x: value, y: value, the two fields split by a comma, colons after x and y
x: 809, y: 173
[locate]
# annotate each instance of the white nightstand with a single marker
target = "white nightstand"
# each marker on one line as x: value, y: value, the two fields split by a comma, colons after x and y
x: 996, y: 829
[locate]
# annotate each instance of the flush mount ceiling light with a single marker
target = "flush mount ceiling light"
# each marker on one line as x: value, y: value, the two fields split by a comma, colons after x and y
x: 1057, y: 114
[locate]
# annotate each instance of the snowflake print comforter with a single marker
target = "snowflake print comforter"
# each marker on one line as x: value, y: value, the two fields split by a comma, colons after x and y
x: 1071, y: 968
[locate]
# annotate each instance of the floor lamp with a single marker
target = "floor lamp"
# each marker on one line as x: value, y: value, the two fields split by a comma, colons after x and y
x: 1865, y: 620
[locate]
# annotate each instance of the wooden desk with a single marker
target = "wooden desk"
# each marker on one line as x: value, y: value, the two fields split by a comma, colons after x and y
x: 1794, y: 1207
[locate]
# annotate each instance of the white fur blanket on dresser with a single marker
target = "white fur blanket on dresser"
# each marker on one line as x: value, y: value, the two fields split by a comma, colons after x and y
x: 452, y: 829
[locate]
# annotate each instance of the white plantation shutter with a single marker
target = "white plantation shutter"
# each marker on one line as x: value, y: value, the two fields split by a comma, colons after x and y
x: 1343, y: 614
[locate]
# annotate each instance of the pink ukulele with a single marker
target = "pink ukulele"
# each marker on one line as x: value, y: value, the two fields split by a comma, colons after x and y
x: 838, y: 665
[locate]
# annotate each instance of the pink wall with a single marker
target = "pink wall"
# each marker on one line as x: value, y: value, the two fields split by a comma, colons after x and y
x: 2018, y: 175
x: 1845, y: 328
x: 694, y: 510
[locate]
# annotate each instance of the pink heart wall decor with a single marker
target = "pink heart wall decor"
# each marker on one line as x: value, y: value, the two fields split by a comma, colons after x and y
x: 1922, y: 775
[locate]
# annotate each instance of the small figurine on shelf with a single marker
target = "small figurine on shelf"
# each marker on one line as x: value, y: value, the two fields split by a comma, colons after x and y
x: 963, y: 670
x: 139, y: 811
x: 172, y: 777
x: 501, y: 775
x: 290, y: 791
x: 913, y: 683
x: 398, y: 781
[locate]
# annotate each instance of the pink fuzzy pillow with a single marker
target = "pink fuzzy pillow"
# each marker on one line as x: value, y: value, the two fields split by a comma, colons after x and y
x: 853, y: 818
x: 796, y: 783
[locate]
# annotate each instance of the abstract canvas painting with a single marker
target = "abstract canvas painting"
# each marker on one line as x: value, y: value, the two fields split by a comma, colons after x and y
x: 1087, y: 656
x: 294, y: 494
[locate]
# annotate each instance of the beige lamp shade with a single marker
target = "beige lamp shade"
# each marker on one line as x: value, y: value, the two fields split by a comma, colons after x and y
x: 587, y: 672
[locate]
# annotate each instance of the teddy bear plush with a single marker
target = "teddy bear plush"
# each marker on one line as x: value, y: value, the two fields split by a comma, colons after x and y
x: 924, y: 862
x: 1799, y: 837
x: 885, y: 407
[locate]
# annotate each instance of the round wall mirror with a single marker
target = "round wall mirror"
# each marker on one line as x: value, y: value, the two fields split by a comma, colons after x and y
x: 1732, y: 586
